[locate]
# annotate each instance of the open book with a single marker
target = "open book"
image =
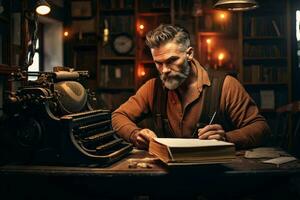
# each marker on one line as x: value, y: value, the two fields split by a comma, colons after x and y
x: 192, y: 151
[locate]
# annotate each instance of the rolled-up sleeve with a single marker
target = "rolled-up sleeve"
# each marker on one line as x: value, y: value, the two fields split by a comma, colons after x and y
x: 251, y: 127
x: 124, y: 118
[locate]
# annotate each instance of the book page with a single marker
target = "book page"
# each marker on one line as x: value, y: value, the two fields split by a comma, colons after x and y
x: 190, y: 142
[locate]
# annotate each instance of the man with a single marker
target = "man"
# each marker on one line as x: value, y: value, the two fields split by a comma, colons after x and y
x: 184, y: 81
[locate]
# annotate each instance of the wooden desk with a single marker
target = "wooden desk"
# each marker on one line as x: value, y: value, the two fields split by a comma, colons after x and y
x: 239, y: 177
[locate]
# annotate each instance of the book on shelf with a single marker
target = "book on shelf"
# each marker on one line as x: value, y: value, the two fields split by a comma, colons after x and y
x: 256, y: 73
x: 252, y: 27
x: 276, y: 28
x: 247, y: 74
x: 259, y: 26
x: 263, y: 51
x: 185, y: 151
x: 282, y: 75
x: 117, y: 4
x: 265, y: 73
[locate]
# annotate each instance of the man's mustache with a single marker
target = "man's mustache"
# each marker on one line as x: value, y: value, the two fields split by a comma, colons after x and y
x: 173, y: 76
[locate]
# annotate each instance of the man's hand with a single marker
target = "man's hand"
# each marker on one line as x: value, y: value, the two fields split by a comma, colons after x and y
x: 143, y: 137
x: 213, y: 131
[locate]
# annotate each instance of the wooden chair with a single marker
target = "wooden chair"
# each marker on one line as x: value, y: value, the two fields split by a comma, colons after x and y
x: 287, y: 131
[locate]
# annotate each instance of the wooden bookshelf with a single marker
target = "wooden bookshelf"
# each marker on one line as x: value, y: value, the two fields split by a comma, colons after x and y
x: 265, y: 47
x: 149, y: 15
x: 266, y: 63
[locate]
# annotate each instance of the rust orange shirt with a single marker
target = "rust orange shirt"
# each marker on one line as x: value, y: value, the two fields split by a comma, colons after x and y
x: 251, y: 127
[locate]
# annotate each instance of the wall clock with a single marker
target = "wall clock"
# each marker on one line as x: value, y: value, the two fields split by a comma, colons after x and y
x: 122, y: 44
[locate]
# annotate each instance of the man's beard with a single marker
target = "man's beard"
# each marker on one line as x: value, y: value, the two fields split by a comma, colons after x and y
x: 174, y: 79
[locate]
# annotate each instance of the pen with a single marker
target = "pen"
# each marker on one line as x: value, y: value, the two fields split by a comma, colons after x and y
x: 212, y: 118
x: 210, y: 122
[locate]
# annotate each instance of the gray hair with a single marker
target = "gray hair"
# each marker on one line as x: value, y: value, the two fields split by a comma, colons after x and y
x: 165, y: 33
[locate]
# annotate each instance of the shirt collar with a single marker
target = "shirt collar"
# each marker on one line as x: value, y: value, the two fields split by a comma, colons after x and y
x: 202, y: 75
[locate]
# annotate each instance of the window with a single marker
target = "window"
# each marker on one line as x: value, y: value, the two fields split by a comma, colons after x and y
x: 298, y: 35
x: 37, y: 64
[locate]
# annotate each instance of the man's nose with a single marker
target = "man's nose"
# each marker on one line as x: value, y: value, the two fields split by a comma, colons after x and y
x: 165, y: 68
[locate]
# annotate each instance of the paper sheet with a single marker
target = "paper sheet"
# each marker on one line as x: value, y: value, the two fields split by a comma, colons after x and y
x: 280, y: 160
x: 264, y: 152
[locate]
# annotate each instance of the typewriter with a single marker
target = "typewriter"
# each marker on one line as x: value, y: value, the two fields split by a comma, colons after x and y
x: 51, y: 121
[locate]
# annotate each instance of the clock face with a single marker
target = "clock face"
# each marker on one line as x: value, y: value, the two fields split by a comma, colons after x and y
x: 122, y: 44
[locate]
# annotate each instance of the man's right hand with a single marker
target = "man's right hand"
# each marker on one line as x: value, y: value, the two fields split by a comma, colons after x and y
x: 212, y: 131
x: 143, y: 137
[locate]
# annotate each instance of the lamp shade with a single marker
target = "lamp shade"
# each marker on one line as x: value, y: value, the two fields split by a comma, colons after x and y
x: 42, y: 7
x: 236, y: 5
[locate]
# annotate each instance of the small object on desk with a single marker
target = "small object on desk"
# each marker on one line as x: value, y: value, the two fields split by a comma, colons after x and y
x: 141, y: 163
x: 264, y: 152
x: 280, y: 160
x: 132, y: 164
x: 144, y: 165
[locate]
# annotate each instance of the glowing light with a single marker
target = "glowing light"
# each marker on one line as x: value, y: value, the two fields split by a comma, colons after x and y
x: 105, y: 35
x: 142, y: 27
x: 106, y: 32
x: 222, y: 16
x: 43, y: 10
x: 141, y: 70
x: 221, y: 56
x: 42, y: 7
x: 208, y: 41
x: 66, y: 33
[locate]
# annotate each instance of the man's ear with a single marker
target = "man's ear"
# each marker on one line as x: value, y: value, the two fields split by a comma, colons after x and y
x: 190, y: 53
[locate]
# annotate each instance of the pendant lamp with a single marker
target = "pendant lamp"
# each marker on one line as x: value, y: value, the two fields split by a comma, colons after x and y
x: 236, y: 5
x: 42, y: 7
